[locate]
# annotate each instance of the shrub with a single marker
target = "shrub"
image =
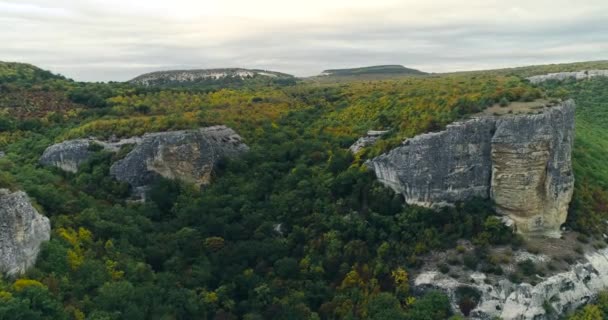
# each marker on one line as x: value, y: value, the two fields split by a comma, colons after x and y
x: 470, y: 261
x: 503, y: 102
x: 582, y: 238
x: 468, y: 298
x: 515, y: 277
x: 527, y: 267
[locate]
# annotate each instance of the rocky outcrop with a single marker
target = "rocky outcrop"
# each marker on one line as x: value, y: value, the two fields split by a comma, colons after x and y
x: 204, y: 75
x: 561, y: 76
x: 550, y: 297
x: 372, y: 137
x: 188, y: 155
x: 22, y: 230
x: 69, y: 155
x: 522, y: 162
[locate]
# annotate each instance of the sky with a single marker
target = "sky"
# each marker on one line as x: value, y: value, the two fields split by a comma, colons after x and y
x: 116, y: 40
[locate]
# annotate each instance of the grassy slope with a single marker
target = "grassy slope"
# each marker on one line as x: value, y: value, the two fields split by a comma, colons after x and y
x: 589, y: 207
x: 591, y: 144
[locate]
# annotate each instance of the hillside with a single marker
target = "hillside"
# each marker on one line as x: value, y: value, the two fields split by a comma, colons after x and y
x: 22, y: 73
x: 296, y: 228
x: 528, y: 71
x: 376, y: 70
x: 209, y: 77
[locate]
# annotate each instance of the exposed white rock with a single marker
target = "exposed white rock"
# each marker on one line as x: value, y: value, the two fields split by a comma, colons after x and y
x: 561, y: 76
x: 521, y: 256
x: 372, y: 137
x: 22, y: 230
x: 184, y: 76
x: 563, y: 292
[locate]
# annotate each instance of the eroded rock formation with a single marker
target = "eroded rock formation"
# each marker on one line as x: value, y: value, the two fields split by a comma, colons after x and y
x: 188, y: 155
x: 522, y: 162
x: 22, y: 230
x: 70, y: 154
x: 563, y: 292
x: 67, y: 155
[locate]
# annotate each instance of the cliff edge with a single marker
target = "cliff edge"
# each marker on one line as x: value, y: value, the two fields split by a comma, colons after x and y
x: 522, y: 162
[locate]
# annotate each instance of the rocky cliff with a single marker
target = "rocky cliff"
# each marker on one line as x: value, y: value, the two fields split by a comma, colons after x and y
x: 522, y: 162
x: 577, y: 75
x: 22, y: 230
x: 562, y: 292
x: 188, y: 155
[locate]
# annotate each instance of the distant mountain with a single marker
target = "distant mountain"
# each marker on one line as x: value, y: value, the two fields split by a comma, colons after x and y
x: 373, y: 70
x: 223, y: 76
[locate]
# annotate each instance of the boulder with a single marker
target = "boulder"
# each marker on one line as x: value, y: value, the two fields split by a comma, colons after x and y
x: 22, y: 230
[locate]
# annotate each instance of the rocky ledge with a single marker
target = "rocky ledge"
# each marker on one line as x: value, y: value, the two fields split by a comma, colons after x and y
x: 548, y: 299
x: 22, y: 230
x: 370, y: 139
x: 522, y: 162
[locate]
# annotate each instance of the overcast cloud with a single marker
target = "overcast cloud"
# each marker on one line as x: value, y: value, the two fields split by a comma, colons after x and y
x: 101, y: 40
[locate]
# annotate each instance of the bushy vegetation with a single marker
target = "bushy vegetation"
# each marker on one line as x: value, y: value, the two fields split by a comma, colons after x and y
x: 594, y: 311
x: 296, y: 229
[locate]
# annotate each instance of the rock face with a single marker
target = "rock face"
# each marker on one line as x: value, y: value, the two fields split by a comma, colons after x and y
x: 188, y: 155
x: 563, y: 292
x: 69, y: 155
x: 522, y: 162
x: 560, y: 76
x: 372, y: 137
x: 22, y: 230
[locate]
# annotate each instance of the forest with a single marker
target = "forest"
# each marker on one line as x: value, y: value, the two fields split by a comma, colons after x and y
x: 297, y: 228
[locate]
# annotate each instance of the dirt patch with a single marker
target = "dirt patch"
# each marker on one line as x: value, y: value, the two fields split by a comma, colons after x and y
x: 517, y: 107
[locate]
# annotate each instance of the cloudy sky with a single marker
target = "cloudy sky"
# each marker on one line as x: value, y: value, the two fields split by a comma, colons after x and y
x: 101, y: 40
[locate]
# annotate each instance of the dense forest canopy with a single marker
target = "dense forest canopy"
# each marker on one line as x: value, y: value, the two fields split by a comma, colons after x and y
x: 296, y: 229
